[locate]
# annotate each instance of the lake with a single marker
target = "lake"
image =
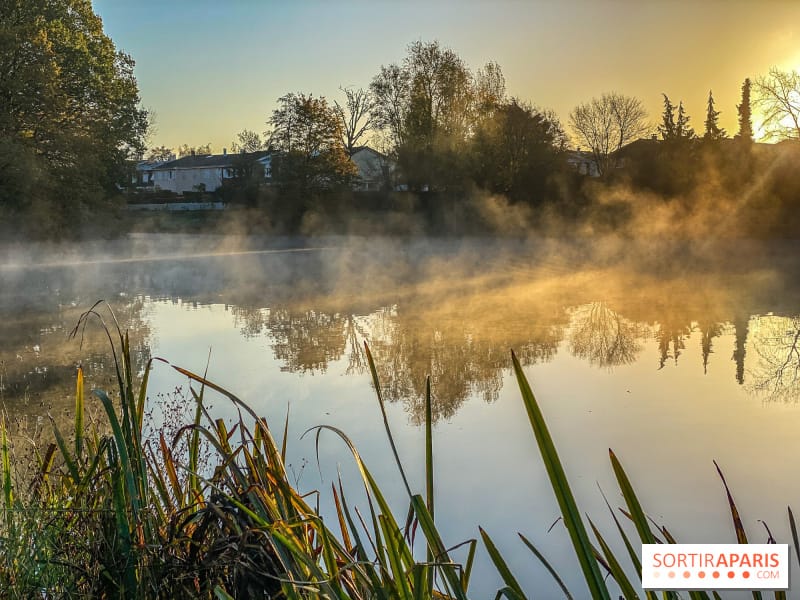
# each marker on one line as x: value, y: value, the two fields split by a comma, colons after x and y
x: 674, y: 353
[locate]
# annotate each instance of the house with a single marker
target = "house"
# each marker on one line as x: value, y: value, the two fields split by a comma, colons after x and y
x: 637, y: 150
x: 142, y: 175
x: 375, y: 170
x: 583, y: 163
x: 203, y: 173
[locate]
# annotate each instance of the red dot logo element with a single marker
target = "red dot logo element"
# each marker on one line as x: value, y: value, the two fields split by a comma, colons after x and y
x: 686, y: 574
x: 701, y: 574
x: 746, y: 574
x: 715, y: 574
x: 731, y: 574
x: 672, y: 574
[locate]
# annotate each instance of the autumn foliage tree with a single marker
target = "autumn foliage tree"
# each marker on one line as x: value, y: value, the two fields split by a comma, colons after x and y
x: 69, y: 112
x: 306, y: 136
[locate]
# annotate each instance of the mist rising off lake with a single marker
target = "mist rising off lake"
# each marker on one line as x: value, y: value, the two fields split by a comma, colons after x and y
x: 674, y: 353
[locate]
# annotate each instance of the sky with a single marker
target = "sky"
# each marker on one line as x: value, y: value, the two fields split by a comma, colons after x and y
x: 208, y: 70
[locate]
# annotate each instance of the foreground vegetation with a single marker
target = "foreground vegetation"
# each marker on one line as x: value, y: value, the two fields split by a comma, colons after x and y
x: 210, y: 513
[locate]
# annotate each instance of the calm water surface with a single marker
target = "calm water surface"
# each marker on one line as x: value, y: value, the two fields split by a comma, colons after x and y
x: 674, y: 354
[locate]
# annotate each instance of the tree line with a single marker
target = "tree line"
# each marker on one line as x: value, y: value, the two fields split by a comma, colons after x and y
x: 71, y: 124
x: 449, y: 130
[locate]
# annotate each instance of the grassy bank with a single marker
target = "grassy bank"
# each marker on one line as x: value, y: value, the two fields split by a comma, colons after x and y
x: 209, y: 512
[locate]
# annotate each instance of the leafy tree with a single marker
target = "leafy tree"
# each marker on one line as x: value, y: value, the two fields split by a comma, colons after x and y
x: 441, y: 91
x: 187, y: 150
x: 490, y: 89
x: 306, y: 134
x: 356, y: 116
x: 516, y: 150
x: 745, y: 117
x: 438, y: 118
x: 69, y: 109
x: 713, y: 130
x: 161, y: 153
x: 778, y: 97
x: 391, y: 93
x: 247, y: 141
x: 607, y: 123
x: 426, y: 107
x: 247, y: 183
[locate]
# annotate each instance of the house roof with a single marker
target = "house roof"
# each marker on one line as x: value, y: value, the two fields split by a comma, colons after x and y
x: 148, y: 165
x: 358, y: 149
x: 579, y: 155
x: 207, y: 161
x: 637, y: 147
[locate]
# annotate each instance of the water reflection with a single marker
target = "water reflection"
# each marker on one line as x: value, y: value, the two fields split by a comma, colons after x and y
x: 708, y: 330
x: 774, y: 369
x: 604, y: 337
x: 448, y: 309
x: 38, y: 360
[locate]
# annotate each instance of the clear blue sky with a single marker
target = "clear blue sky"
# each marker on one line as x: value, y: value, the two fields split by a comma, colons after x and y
x: 210, y: 69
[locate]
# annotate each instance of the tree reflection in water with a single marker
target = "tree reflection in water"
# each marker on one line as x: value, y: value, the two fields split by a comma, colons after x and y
x: 38, y: 360
x: 604, y: 337
x: 460, y: 334
x: 774, y: 367
x: 435, y: 309
x: 708, y: 330
x: 465, y: 354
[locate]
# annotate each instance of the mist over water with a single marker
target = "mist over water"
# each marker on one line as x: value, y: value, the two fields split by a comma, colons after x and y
x: 672, y: 351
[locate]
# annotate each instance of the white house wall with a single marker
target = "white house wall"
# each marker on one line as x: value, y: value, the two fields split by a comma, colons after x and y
x: 190, y: 180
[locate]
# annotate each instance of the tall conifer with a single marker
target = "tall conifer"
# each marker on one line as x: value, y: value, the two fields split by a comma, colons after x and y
x: 745, y: 120
x: 713, y: 130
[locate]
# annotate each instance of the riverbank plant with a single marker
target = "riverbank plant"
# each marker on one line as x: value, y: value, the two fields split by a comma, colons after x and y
x: 111, y: 512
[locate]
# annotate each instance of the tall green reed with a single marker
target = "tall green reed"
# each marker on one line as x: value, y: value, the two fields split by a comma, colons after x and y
x: 112, y: 513
x: 597, y: 559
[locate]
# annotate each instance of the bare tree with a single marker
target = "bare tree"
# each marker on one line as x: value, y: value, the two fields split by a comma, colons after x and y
x: 607, y: 123
x: 604, y: 337
x: 775, y: 368
x: 356, y: 115
x: 778, y: 98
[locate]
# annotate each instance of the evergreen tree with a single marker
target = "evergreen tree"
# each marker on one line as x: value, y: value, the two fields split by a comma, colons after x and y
x: 672, y: 129
x: 682, y: 129
x: 713, y: 130
x: 667, y: 127
x: 745, y: 121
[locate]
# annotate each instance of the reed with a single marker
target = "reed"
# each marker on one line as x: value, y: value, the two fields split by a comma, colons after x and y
x: 113, y: 513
